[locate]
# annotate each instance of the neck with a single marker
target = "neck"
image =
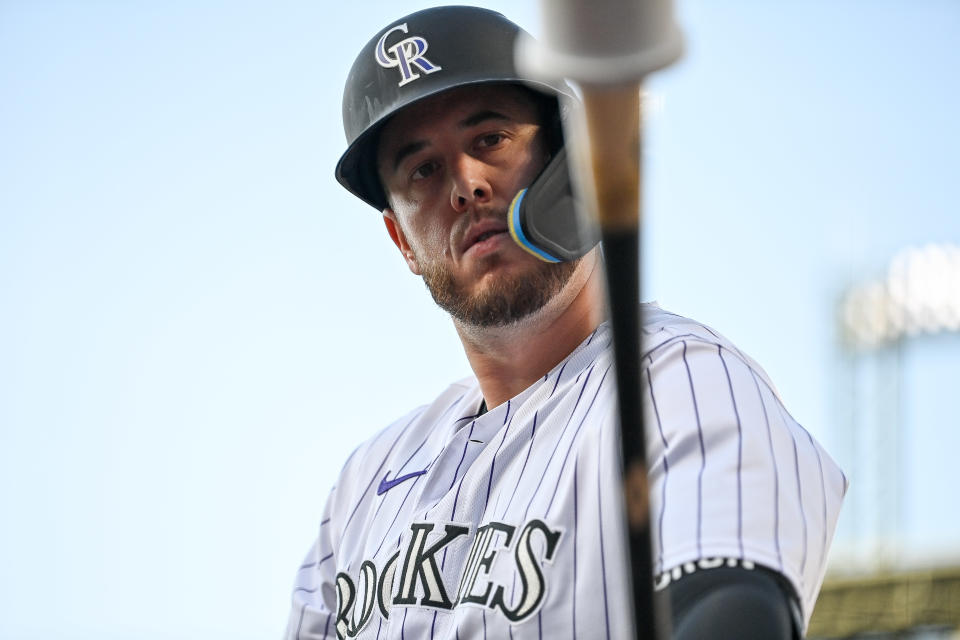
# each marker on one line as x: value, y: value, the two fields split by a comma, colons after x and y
x: 507, y: 360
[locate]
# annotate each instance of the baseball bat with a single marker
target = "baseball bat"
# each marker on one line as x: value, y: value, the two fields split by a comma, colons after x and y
x: 613, y: 129
x: 607, y: 47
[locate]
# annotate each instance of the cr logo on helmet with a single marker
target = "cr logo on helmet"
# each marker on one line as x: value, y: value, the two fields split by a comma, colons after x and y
x: 404, y: 55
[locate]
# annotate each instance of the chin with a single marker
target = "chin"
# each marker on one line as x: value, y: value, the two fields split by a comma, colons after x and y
x: 502, y: 296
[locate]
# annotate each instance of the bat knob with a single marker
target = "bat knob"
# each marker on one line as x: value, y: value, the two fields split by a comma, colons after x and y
x: 601, y: 42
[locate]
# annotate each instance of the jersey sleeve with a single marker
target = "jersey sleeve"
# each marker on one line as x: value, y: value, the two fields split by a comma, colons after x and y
x: 733, y: 475
x: 314, y: 596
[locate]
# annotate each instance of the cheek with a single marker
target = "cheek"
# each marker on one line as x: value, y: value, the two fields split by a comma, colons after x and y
x: 426, y: 234
x: 436, y: 238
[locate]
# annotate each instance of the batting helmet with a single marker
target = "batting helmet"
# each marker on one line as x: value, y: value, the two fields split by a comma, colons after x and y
x: 420, y: 55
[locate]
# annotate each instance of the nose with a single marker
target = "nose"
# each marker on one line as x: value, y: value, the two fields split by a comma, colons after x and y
x: 470, y: 185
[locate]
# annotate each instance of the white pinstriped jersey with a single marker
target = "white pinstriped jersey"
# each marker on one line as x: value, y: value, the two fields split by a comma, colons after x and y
x: 510, y: 524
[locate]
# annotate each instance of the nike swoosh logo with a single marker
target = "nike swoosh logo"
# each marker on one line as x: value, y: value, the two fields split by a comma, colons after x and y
x: 386, y: 485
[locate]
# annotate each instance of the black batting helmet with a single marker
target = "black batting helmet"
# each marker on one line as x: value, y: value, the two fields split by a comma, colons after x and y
x: 417, y: 56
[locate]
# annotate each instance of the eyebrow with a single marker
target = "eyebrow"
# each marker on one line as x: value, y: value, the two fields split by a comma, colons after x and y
x: 470, y: 121
x: 481, y: 116
x: 407, y: 150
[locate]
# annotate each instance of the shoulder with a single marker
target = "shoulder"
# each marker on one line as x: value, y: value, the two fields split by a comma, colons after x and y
x: 661, y: 327
x: 672, y: 339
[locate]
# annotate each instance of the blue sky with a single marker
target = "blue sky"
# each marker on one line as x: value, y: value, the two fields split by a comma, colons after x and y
x: 197, y: 324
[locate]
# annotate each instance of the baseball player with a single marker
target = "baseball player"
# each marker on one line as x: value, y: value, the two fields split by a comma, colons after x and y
x: 494, y: 510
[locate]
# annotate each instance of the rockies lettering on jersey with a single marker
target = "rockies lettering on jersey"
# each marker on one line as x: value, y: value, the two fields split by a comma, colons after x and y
x: 420, y: 568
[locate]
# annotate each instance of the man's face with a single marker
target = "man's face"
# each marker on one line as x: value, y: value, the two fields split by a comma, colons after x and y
x: 450, y: 167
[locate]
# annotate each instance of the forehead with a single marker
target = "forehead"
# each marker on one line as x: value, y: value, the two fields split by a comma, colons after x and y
x: 449, y: 108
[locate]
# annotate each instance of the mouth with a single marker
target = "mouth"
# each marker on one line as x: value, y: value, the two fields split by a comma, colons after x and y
x: 484, y: 235
x: 487, y: 234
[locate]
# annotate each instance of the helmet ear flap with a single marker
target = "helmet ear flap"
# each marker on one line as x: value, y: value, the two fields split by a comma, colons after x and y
x: 544, y: 219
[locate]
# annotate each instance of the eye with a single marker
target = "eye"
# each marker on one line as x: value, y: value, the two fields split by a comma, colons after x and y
x: 490, y: 140
x: 424, y: 171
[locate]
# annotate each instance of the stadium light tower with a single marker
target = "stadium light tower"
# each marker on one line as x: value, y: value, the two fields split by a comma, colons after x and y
x: 918, y: 295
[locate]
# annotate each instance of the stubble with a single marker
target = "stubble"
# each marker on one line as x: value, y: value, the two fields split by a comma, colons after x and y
x: 504, y: 300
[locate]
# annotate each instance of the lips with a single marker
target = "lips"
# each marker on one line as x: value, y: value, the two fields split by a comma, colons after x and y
x: 482, y: 231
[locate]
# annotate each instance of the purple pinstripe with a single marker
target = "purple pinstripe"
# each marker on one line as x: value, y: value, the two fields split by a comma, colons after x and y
x: 573, y: 439
x: 669, y: 341
x: 493, y: 462
x: 666, y: 467
x: 303, y: 609
x: 703, y: 453
x: 574, y: 627
x: 587, y: 368
x: 776, y: 474
x: 736, y: 413
x: 592, y: 336
x: 557, y: 381
x: 533, y: 432
x: 443, y: 560
x: 315, y: 564
x: 456, y: 498
x: 803, y: 516
x: 823, y: 494
x: 603, y: 561
x: 717, y: 336
x: 557, y: 446
x: 305, y: 590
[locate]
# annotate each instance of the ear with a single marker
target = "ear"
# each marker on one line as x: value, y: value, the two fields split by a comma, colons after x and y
x: 399, y: 239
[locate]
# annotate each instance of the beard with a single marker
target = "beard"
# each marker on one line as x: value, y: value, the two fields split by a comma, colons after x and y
x: 504, y: 301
